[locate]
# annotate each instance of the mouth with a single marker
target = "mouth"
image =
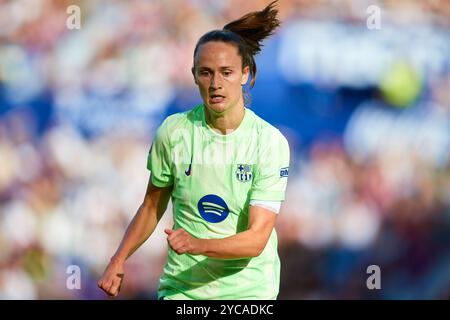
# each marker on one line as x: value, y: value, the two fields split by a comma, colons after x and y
x: 216, y: 98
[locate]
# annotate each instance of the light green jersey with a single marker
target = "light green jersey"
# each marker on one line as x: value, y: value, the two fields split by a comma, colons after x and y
x: 214, y: 177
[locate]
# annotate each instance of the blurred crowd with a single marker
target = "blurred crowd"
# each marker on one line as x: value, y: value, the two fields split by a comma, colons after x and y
x: 78, y: 109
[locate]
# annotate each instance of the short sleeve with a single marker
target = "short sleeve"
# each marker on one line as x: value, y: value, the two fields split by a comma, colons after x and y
x: 272, y: 167
x: 159, y: 160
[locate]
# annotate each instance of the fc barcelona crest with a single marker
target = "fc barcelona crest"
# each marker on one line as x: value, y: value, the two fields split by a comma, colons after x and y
x: 244, y: 172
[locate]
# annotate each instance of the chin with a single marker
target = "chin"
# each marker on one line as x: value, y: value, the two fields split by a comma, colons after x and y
x: 217, y: 107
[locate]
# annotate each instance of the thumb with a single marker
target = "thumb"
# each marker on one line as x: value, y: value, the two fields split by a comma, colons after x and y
x: 168, y: 231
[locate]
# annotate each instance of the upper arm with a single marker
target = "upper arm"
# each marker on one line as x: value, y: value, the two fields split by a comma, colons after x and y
x: 159, y: 163
x: 157, y: 198
x: 261, y: 222
x: 159, y: 160
x: 269, y: 184
x: 271, y: 169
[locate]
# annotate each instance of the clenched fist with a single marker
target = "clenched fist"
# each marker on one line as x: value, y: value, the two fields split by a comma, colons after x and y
x: 181, y: 241
x: 112, y: 278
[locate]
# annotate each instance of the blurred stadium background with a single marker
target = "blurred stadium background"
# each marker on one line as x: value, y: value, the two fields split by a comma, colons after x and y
x: 367, y: 114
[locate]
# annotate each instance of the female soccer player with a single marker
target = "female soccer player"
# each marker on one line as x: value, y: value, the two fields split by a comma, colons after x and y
x: 225, y: 170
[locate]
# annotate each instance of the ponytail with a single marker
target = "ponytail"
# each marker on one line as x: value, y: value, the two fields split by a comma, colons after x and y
x: 247, y: 33
x: 255, y: 27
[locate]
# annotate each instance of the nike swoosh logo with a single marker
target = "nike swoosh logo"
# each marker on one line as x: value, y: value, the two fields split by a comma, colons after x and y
x: 188, y: 171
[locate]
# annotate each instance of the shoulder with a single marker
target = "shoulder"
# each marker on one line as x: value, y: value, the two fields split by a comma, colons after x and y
x: 266, y: 131
x: 179, y: 119
x: 178, y: 122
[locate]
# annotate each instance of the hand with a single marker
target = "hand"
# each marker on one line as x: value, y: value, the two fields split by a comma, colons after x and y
x: 112, y: 278
x: 181, y: 241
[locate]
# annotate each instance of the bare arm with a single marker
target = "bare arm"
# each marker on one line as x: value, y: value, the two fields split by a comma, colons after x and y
x: 246, y: 244
x: 139, y: 230
x: 144, y: 222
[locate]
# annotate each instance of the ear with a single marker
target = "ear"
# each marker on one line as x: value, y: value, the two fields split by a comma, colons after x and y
x: 193, y: 73
x: 245, y: 75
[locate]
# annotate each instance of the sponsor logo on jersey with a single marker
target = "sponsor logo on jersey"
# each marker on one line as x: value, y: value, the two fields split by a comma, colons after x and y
x: 244, y: 172
x: 213, y: 208
x: 284, y: 172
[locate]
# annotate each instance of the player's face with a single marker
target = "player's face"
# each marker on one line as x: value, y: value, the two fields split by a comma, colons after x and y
x: 219, y: 75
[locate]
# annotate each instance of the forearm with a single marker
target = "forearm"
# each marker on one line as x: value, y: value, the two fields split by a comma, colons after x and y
x: 246, y: 244
x: 138, y: 231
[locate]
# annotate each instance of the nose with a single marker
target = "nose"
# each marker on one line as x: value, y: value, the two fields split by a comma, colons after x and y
x: 215, y: 82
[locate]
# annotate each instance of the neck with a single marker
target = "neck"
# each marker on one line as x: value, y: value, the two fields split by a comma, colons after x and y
x: 227, y: 121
